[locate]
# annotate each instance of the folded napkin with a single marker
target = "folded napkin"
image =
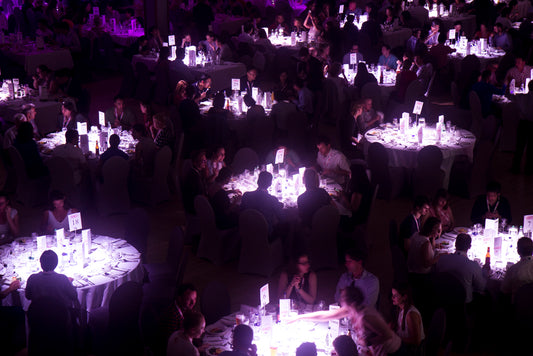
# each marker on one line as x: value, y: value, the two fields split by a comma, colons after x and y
x: 99, y: 279
x: 129, y: 250
x: 127, y: 266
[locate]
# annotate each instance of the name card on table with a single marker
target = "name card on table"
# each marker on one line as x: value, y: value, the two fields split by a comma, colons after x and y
x: 264, y: 296
x: 74, y: 222
x: 280, y: 156
x: 284, y: 309
x: 353, y: 58
x: 341, y: 9
x: 84, y: 143
x: 270, y: 168
x: 441, y: 119
x: 101, y: 118
x: 96, y: 10
x: 451, y: 34
x: 171, y: 40
x: 255, y: 93
x: 60, y: 236
x: 41, y: 244
x: 417, y: 110
x: 463, y: 42
x: 491, y: 228
x: 82, y: 128
x: 235, y: 84
x: 528, y: 223
x: 86, y: 240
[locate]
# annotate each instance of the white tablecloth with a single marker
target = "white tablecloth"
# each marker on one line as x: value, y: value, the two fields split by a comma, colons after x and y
x: 30, y: 58
x: 112, y: 262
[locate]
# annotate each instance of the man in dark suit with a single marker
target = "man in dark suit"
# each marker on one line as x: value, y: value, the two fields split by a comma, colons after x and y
x: 411, y: 223
x: 194, y: 183
x: 249, y: 81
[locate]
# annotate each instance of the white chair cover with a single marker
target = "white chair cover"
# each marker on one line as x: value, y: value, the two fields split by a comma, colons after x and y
x: 323, y: 239
x: 113, y: 196
x: 258, y: 256
x: 153, y: 190
x: 427, y: 176
x: 169, y: 269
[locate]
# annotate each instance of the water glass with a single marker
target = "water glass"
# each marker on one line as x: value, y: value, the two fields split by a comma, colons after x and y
x: 395, y: 123
x: 422, y: 122
x: 448, y: 125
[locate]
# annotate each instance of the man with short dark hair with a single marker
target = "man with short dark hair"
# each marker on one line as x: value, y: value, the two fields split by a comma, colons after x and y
x: 243, y: 335
x: 184, y: 300
x: 73, y: 154
x: 333, y: 163
x: 30, y: 112
x: 491, y: 205
x: 248, y: 81
x: 49, y: 283
x: 357, y: 276
x: 411, y: 223
x: 467, y: 272
x: 313, y: 198
x: 113, y: 150
x: 520, y: 273
x: 119, y: 115
x: 387, y: 59
x: 306, y: 349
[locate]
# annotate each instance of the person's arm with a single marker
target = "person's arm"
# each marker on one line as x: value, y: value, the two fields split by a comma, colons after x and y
x: 355, y: 201
x: 310, y: 296
x: 13, y: 222
x: 12, y: 287
x: 414, y: 328
x: 428, y: 255
x: 306, y: 22
x: 323, y: 315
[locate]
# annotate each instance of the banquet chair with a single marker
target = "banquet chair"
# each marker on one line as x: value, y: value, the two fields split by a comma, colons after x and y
x: 29, y: 191
x: 168, y: 270
x: 143, y: 89
x: 153, y: 190
x: 427, y: 176
x: 484, y: 128
x: 136, y: 230
x: 215, y: 302
x: 435, y: 333
x: 258, y: 256
x: 215, y: 245
x: 261, y: 134
x: 522, y: 317
x: 415, y: 91
x: 62, y: 179
x: 455, y: 94
x: 373, y: 91
x: 378, y: 163
x: 113, y: 197
x: 245, y: 158
x: 323, y: 238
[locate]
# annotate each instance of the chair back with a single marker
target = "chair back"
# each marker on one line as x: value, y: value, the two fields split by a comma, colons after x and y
x: 18, y: 164
x: 49, y: 323
x: 143, y: 90
x: 436, y: 332
x: 159, y: 185
x: 455, y: 94
x: 175, y: 249
x: 261, y: 136
x: 210, y: 246
x: 256, y: 252
x: 137, y: 229
x: 245, y: 158
x: 323, y: 239
x: 373, y: 91
x: 428, y: 177
x: 215, y: 302
x: 470, y: 64
x: 476, y: 113
x: 378, y: 163
x: 114, y: 196
x: 61, y: 175
x: 481, y: 173
x: 415, y: 91
x: 448, y: 290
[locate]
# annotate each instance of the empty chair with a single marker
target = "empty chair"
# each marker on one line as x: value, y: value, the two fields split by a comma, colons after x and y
x: 484, y: 128
x: 481, y: 168
x: 62, y: 178
x: 215, y: 302
x: 378, y: 163
x: 427, y: 176
x: 169, y: 269
x: 137, y: 227
x: 29, y: 191
x: 245, y: 158
x: 113, y: 195
x: 258, y: 256
x: 215, y: 245
x: 323, y: 238
x: 153, y: 190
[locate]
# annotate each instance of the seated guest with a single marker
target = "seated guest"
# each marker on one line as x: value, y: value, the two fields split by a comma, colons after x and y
x: 332, y: 163
x: 334, y: 75
x: 225, y: 51
x: 284, y: 85
x: 214, y: 164
x: 359, y: 56
x: 184, y: 302
x: 69, y: 118
x: 180, y: 342
x: 162, y: 131
x: 186, y: 41
x: 387, y: 59
x: 51, y: 284
x: 433, y: 36
x: 145, y: 150
x: 145, y: 114
x: 201, y: 88
x: 414, y: 44
x: 28, y: 150
x: 43, y: 77
x: 249, y: 81
x: 280, y: 25
x: 345, y: 346
x: 139, y: 46
x: 424, y: 71
x: 358, y: 195
x: 521, y: 273
x: 412, y: 222
x: 57, y: 216
x: 441, y: 209
x: 67, y: 38
x: 154, y: 39
x: 65, y: 84
x: 298, y: 26
x: 9, y: 218
x: 483, y: 32
x: 519, y: 72
x: 363, y: 77
x: 119, y: 115
x: 421, y: 254
x: 243, y: 335
x: 263, y: 202
x: 299, y: 282
x: 357, y: 276
x: 408, y: 325
x: 11, y: 134
x: 291, y: 160
x: 467, y: 272
x: 500, y: 39
x: 306, y: 349
x: 246, y: 35
x: 369, y: 118
x: 194, y: 183
x: 225, y: 209
x: 504, y: 19
x: 459, y: 32
x: 491, y: 206
x: 180, y: 92
x: 113, y: 150
x: 73, y: 154
x: 485, y: 90
x: 403, y: 79
x: 440, y: 52
x: 30, y: 113
x: 217, y: 131
x: 313, y: 198
x: 209, y: 46
x: 304, y: 100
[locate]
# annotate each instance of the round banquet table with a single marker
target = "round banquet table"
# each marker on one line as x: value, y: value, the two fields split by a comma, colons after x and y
x: 110, y: 263
x: 403, y: 149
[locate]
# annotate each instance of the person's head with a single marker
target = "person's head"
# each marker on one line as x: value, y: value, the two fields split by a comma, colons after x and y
x: 297, y: 22
x: 298, y: 84
x: 311, y: 179
x: 349, y: 19
x: 283, y: 77
x: 354, y: 261
x: 210, y: 37
x: 248, y: 28
x: 193, y: 324
x: 185, y: 296
x: 367, y: 104
x: 458, y: 26
x: 280, y: 19
x: 218, y: 100
x: 199, y: 159
x: 419, y: 60
x: 67, y: 109
x: 493, y: 192
x: 524, y: 247
x: 520, y: 63
x: 251, y: 74
x: 29, y: 111
x: 262, y: 34
x: 334, y: 69
x: 224, y: 176
x: 303, y: 54
x: 432, y: 227
x: 243, y: 336
x: 352, y: 5
x: 389, y: 11
x: 204, y: 82
x: 118, y: 103
x: 306, y: 349
x: 323, y: 145
x: 4, y: 201
x: 463, y: 242
x: 161, y: 121
x: 48, y: 260
x: 264, y: 181
x: 129, y: 12
x: 407, y: 63
x: 361, y: 68
x: 354, y: 49
x: 72, y: 137
x: 435, y: 26
x: 219, y: 154
x: 357, y: 109
x: 25, y: 132
x: 187, y: 38
x: 352, y: 297
x: 420, y: 205
x: 43, y: 71
x: 300, y: 263
x: 114, y: 141
x: 483, y: 28
x: 441, y: 199
x: 345, y: 346
x: 485, y: 76
x: 498, y: 28
x: 405, y: 17
x: 401, y: 296
x: 57, y: 198
x: 385, y: 50
x: 138, y: 131
x: 181, y: 89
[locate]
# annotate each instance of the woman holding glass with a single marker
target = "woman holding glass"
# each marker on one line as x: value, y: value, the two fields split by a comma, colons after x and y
x: 298, y: 283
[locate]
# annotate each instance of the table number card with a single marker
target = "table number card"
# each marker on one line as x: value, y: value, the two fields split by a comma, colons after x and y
x: 441, y: 119
x: 353, y: 58
x: 41, y: 244
x: 101, y: 118
x: 284, y: 309
x: 171, y: 40
x: 451, y: 34
x: 235, y: 84
x: 270, y: 168
x: 74, y: 222
x: 280, y: 156
x: 528, y: 223
x: 86, y: 239
x: 417, y: 110
x: 491, y: 228
x: 263, y: 295
x: 82, y: 128
x: 341, y: 9
x: 60, y: 236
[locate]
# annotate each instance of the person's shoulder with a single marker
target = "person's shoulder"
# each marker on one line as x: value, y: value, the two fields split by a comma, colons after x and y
x: 369, y: 276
